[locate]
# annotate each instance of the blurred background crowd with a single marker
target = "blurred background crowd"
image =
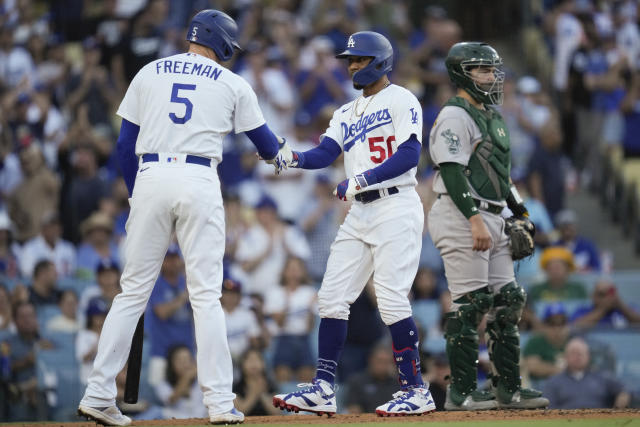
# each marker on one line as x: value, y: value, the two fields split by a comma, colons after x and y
x: 572, y: 103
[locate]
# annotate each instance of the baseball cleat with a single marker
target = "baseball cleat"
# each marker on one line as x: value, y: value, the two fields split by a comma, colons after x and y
x: 108, y: 416
x: 317, y: 397
x: 232, y: 417
x: 525, y: 398
x: 477, y: 400
x: 415, y: 401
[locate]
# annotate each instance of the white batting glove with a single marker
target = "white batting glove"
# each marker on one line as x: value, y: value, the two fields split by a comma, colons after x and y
x: 284, y: 158
x: 348, y: 188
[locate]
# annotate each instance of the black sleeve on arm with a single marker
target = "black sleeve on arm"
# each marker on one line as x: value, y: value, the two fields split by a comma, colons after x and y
x: 515, y: 203
x: 458, y: 188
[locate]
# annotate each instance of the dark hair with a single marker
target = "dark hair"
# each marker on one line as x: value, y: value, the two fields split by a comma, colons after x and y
x: 172, y: 376
x: 306, y: 279
x: 41, y: 265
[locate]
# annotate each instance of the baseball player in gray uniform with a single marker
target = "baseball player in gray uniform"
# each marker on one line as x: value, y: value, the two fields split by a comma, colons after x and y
x: 469, y: 143
x: 175, y: 114
x: 379, y: 134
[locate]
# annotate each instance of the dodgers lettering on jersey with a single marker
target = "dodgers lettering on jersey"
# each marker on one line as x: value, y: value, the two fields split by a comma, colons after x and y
x: 370, y: 129
x: 187, y: 103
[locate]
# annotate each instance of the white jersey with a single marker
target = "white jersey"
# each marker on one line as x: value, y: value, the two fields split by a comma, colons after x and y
x: 369, y: 130
x: 171, y: 98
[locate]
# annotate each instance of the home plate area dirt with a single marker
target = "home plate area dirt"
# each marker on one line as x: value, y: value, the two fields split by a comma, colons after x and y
x: 435, y: 416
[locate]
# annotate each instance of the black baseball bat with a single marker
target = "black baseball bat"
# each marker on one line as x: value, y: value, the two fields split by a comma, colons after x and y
x: 134, y: 364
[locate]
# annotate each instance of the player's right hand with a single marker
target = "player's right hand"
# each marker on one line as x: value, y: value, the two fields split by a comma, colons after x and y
x: 480, y: 234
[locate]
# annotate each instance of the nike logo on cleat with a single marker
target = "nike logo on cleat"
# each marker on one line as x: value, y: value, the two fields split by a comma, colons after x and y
x: 144, y: 169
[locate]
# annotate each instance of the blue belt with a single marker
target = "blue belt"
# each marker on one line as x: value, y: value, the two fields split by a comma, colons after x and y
x: 198, y: 160
x: 371, y: 195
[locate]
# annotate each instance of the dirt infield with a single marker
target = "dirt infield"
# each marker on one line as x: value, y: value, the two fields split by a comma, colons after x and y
x: 436, y: 416
x: 555, y: 414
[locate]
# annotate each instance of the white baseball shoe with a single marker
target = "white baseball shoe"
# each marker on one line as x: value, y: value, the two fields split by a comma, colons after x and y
x: 232, y: 417
x: 317, y: 397
x: 415, y: 401
x: 109, y: 416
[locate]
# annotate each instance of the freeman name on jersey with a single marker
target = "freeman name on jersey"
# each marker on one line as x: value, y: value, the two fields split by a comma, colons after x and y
x: 363, y: 126
x: 186, y: 67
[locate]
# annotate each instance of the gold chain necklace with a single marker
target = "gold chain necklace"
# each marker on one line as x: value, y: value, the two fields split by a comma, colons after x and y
x: 355, y: 106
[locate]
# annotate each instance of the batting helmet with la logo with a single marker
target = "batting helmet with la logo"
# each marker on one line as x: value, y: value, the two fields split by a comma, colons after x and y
x: 375, y: 45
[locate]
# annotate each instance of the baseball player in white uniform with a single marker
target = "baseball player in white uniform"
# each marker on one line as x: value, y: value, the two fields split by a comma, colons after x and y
x: 469, y: 143
x: 175, y: 114
x: 379, y: 134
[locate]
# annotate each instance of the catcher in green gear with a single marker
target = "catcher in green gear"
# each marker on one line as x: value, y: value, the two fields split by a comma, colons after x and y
x: 469, y: 143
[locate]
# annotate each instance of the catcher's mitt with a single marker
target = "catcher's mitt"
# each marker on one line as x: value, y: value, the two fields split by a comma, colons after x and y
x: 520, y: 231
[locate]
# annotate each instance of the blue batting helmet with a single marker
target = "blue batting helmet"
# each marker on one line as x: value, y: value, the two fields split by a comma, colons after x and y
x: 369, y: 43
x: 216, y: 30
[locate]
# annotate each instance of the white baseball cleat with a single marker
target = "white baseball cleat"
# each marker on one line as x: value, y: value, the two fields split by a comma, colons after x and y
x: 317, y: 397
x: 232, y: 417
x: 109, y: 416
x: 415, y: 401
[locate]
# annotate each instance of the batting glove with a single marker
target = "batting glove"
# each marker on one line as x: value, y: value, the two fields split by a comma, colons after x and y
x: 284, y: 158
x: 348, y: 188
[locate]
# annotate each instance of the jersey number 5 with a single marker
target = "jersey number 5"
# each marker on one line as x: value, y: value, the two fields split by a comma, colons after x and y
x: 181, y: 100
x: 381, y: 153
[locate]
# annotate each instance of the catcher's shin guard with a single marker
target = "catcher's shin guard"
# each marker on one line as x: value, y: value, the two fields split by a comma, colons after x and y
x: 503, y: 340
x: 461, y: 333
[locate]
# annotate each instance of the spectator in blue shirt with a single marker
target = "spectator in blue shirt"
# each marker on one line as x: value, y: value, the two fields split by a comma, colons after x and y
x: 607, y: 309
x: 170, y: 319
x: 585, y: 252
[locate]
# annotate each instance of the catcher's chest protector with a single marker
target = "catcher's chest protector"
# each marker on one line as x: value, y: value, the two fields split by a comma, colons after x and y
x: 489, y: 166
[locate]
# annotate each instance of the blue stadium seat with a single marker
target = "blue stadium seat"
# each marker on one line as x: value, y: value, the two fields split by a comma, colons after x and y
x: 571, y: 305
x: 625, y: 343
x: 78, y: 285
x: 426, y: 313
x: 46, y: 313
x: 58, y: 373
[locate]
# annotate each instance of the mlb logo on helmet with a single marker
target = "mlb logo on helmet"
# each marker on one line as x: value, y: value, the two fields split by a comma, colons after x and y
x: 351, y: 42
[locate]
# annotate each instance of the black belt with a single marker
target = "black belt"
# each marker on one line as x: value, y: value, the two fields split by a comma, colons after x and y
x: 483, y: 205
x: 198, y: 160
x: 371, y: 195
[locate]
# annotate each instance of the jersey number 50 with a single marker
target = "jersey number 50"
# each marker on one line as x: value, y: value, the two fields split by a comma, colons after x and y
x: 181, y: 100
x: 381, y: 153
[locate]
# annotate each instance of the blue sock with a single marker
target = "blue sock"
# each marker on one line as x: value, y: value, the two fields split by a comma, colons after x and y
x: 331, y: 338
x: 406, y: 353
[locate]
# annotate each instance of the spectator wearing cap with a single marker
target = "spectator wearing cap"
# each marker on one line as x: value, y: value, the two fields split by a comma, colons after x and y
x: 579, y: 386
x: 322, y: 80
x: 606, y: 309
x: 37, y: 193
x: 49, y: 245
x: 106, y: 287
x: 97, y: 244
x: 9, y: 250
x: 543, y: 352
x: 263, y: 249
x: 320, y: 220
x: 370, y: 387
x: 43, y: 290
x: 169, y: 315
x: 88, y: 336
x: 243, y: 330
x: 585, y: 253
x: 558, y: 264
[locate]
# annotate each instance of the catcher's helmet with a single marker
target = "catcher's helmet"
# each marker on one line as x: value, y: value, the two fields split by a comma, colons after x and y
x: 369, y: 43
x: 462, y: 57
x: 216, y: 30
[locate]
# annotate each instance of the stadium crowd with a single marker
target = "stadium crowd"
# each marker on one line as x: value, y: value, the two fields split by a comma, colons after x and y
x: 64, y: 68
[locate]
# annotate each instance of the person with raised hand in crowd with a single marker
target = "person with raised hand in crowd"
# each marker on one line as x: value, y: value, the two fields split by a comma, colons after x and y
x: 254, y: 388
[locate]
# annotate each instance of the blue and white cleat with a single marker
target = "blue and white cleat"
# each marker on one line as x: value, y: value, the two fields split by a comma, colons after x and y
x: 317, y: 397
x: 415, y: 401
x: 232, y: 417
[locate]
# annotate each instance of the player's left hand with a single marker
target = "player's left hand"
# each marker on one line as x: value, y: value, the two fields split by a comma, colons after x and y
x: 284, y: 158
x: 348, y: 188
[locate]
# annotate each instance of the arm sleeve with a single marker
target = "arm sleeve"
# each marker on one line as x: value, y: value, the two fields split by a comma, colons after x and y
x: 321, y: 156
x: 458, y: 188
x: 264, y: 140
x: 126, y: 150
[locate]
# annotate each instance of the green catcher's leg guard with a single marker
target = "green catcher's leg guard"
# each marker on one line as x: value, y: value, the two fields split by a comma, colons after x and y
x: 461, y: 333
